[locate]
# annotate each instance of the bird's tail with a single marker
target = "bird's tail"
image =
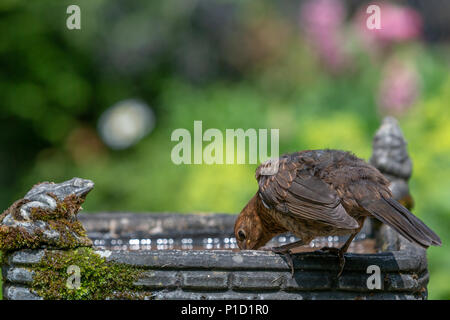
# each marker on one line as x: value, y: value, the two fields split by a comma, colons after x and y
x: 392, y: 213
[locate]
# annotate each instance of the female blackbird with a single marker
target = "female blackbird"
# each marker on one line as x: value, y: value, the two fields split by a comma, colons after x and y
x: 321, y: 193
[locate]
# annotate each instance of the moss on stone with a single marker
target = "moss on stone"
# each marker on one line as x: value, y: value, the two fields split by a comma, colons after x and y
x: 100, y: 279
x: 14, y: 209
x: 60, y: 229
x: 65, y: 209
x: 62, y: 219
x: 13, y: 238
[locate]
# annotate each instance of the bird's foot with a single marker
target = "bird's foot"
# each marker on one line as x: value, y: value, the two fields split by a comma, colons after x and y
x: 287, y: 254
x: 340, y: 253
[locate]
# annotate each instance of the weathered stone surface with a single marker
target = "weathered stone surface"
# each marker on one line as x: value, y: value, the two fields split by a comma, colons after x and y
x: 264, y: 260
x: 226, y: 295
x: 307, y: 280
x: 19, y: 275
x: 413, y: 259
x: 281, y: 295
x: 77, y: 186
x: 160, y: 224
x: 13, y: 292
x: 205, y: 280
x: 387, y: 239
x: 26, y: 257
x: 375, y: 295
x: 402, y: 282
x: 390, y: 154
x: 249, y: 280
x: 158, y: 279
x: 389, y: 282
x: 355, y: 282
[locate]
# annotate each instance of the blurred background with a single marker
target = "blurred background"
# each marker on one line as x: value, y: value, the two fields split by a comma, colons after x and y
x: 102, y: 102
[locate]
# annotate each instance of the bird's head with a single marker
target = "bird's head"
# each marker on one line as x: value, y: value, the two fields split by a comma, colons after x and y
x: 249, y: 230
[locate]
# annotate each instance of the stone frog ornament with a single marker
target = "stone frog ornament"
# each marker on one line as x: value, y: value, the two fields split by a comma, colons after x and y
x: 46, y: 217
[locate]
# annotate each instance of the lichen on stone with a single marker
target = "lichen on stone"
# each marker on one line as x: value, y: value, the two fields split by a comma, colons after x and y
x: 99, y: 279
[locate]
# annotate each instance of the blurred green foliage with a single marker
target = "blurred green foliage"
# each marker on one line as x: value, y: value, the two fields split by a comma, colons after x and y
x: 227, y: 63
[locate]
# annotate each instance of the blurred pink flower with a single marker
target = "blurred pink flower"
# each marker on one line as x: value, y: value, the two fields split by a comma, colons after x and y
x: 322, y: 22
x: 399, y: 87
x: 398, y: 24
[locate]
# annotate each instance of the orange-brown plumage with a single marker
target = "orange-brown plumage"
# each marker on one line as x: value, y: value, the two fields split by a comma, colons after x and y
x: 259, y: 225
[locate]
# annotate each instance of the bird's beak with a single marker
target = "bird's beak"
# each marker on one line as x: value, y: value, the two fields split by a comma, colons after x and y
x: 244, y: 245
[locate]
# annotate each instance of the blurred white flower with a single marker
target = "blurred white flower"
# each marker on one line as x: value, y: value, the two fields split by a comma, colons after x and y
x: 125, y: 123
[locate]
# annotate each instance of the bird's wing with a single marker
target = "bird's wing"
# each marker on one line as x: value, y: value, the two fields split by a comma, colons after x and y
x: 296, y: 192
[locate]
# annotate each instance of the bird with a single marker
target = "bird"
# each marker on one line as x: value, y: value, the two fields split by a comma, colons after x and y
x: 314, y: 193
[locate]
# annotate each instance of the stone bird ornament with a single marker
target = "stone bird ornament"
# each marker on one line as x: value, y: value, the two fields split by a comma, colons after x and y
x: 323, y: 193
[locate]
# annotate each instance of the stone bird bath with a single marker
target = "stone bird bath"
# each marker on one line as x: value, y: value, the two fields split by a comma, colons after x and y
x: 50, y: 252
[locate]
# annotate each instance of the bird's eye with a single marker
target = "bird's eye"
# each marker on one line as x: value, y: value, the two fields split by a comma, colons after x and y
x: 241, y: 235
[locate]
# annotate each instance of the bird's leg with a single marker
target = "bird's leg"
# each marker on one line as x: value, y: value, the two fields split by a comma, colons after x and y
x: 340, y: 251
x: 286, y: 251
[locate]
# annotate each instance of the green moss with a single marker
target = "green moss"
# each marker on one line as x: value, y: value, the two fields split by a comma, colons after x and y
x: 62, y: 219
x: 65, y: 209
x: 99, y: 279
x: 16, y: 238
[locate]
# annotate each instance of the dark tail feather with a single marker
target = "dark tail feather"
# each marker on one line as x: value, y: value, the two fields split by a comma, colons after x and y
x: 392, y: 213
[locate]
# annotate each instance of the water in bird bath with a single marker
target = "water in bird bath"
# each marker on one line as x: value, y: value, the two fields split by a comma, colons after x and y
x: 361, y: 244
x: 129, y: 231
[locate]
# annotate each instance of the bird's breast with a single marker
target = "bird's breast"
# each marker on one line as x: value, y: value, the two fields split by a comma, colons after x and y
x: 306, y: 228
